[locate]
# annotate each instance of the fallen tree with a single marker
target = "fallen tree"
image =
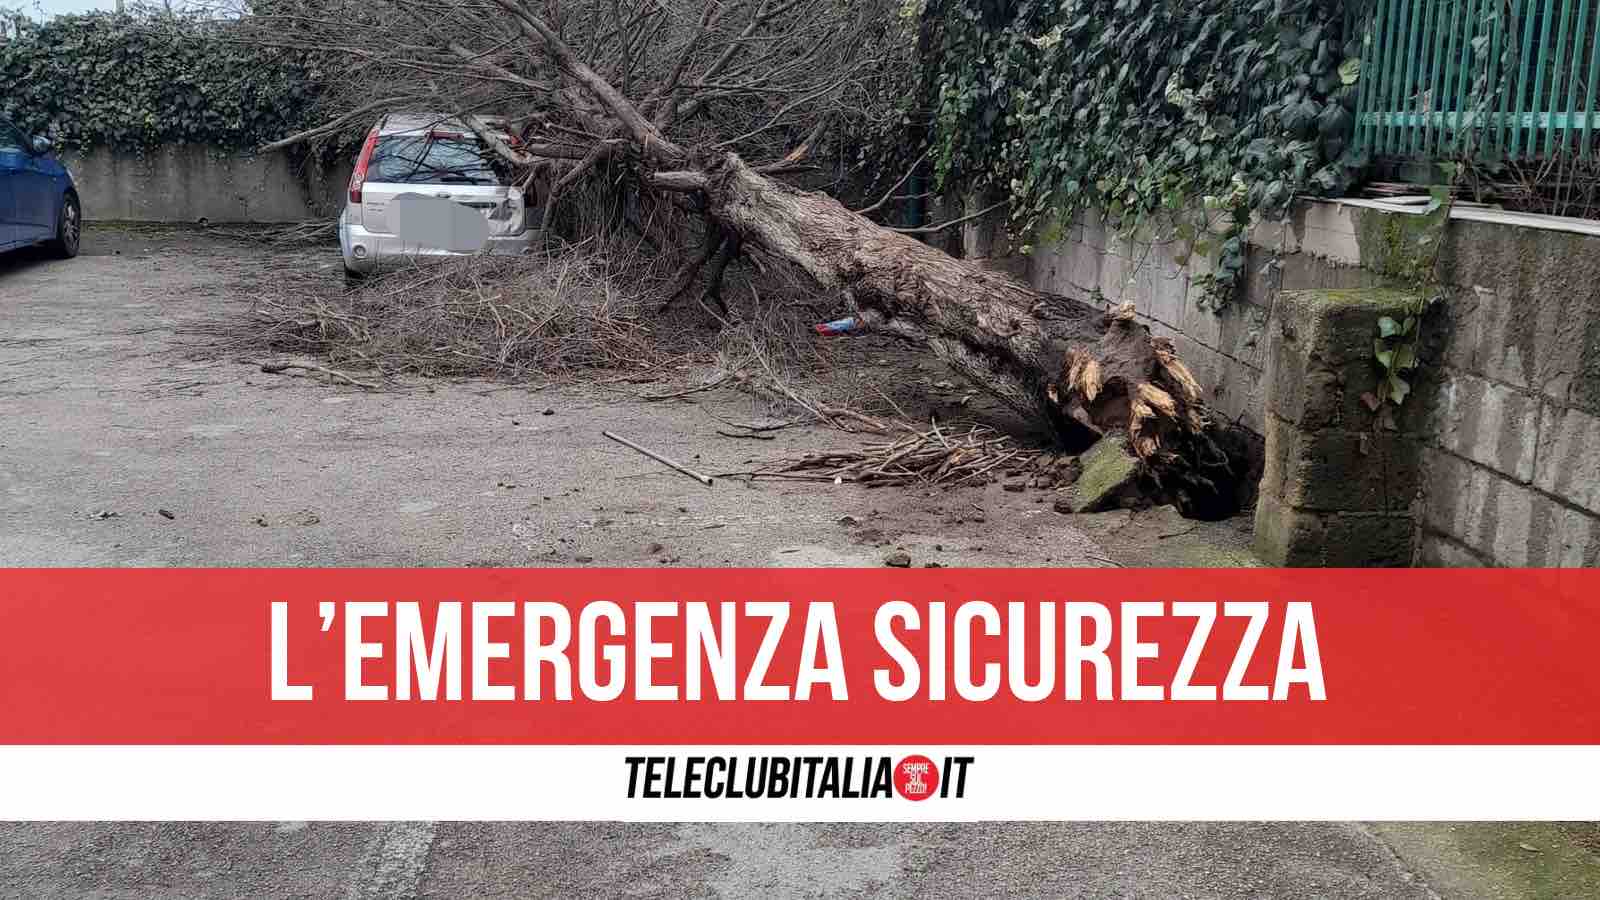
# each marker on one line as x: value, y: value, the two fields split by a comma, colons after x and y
x: 643, y: 91
x: 1085, y: 371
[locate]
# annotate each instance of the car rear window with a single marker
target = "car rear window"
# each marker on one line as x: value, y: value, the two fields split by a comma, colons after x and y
x: 431, y: 159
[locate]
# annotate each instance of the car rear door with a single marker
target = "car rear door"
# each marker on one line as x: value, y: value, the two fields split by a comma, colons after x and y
x: 442, y: 164
x: 13, y: 170
x: 36, y: 194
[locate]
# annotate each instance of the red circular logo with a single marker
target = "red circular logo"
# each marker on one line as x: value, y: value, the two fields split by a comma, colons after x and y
x: 916, y: 778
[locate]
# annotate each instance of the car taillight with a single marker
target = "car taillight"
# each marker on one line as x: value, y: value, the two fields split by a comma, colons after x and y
x: 358, y: 176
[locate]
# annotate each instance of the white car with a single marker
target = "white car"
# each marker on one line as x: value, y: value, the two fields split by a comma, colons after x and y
x: 432, y: 159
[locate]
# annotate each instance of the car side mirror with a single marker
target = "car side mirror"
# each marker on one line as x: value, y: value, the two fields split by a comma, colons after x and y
x: 41, y: 145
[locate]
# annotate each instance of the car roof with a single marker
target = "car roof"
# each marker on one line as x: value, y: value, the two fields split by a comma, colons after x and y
x: 417, y: 123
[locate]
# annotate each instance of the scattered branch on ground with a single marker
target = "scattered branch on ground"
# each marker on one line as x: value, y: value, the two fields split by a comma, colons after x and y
x: 769, y: 349
x: 777, y: 387
x: 315, y: 231
x: 546, y: 316
x: 932, y: 456
x: 660, y: 458
x: 277, y: 368
x: 686, y: 392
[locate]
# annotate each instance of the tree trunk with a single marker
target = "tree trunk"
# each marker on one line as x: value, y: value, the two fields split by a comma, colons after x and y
x: 1085, y: 372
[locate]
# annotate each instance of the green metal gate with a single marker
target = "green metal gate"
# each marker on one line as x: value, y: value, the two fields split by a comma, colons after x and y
x: 1512, y: 79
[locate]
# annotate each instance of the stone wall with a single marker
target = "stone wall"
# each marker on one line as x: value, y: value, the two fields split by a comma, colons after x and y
x: 1513, y: 477
x: 1498, y: 449
x: 187, y: 183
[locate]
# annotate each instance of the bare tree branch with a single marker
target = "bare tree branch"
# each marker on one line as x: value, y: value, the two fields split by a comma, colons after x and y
x: 332, y: 126
x: 643, y: 130
x: 889, y: 194
x: 945, y: 226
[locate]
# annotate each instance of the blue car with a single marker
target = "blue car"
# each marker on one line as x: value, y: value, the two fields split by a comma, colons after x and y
x: 38, y: 201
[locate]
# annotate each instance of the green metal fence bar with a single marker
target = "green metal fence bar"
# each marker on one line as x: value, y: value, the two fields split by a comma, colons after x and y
x: 1497, y: 73
x: 1435, y: 93
x: 1464, y: 73
x: 1366, y: 101
x: 1508, y: 80
x: 1422, y: 28
x: 1452, y: 73
x: 1387, y: 62
x: 1594, y: 75
x: 1362, y: 127
x: 1371, y: 58
x: 1578, y: 43
x: 1428, y: 88
x: 1411, y: 61
x: 1538, y: 78
x: 1559, y: 13
x: 1397, y: 89
x: 1430, y: 53
x: 1416, y: 141
x: 1525, y: 61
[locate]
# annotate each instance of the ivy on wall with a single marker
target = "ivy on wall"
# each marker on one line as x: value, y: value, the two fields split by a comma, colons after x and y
x: 132, y: 81
x: 1183, y: 117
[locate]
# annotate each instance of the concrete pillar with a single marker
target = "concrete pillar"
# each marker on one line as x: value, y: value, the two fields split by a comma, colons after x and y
x: 1337, y: 487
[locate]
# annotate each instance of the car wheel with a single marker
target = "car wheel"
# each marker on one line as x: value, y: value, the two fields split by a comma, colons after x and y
x: 69, y: 228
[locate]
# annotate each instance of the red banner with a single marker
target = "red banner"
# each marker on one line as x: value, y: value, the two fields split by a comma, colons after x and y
x: 792, y: 656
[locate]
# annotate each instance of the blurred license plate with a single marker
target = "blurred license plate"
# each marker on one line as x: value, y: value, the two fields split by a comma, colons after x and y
x: 433, y: 222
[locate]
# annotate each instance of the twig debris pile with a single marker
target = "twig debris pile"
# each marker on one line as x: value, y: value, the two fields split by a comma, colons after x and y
x: 936, y: 456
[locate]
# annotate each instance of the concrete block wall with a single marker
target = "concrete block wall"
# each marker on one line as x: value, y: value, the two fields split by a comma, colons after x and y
x: 1502, y: 432
x: 1513, y: 477
x: 190, y: 182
